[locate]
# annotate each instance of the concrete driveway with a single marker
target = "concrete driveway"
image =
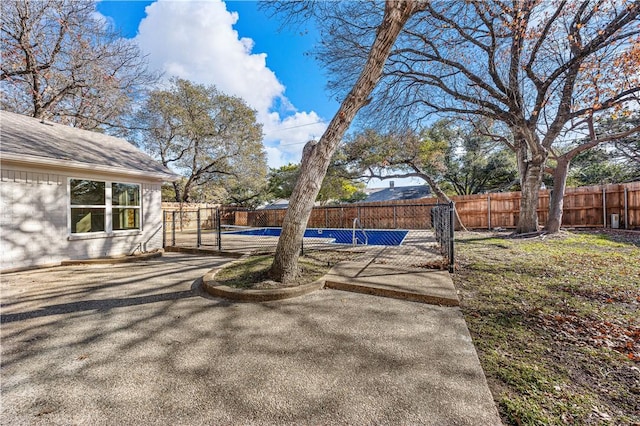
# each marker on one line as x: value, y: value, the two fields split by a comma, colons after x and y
x: 141, y: 344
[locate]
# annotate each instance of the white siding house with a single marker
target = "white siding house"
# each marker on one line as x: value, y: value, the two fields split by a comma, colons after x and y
x: 68, y: 194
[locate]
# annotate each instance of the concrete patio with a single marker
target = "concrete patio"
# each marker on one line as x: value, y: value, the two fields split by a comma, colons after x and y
x: 141, y: 343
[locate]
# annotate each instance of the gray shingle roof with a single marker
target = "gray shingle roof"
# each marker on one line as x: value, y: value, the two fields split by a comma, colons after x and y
x: 398, y: 193
x: 28, y: 137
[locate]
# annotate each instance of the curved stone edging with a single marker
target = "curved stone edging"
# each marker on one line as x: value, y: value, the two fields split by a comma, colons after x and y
x: 210, y: 285
x: 344, y: 279
x: 392, y: 294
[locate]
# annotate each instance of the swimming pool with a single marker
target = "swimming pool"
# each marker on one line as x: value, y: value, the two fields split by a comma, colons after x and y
x: 375, y: 237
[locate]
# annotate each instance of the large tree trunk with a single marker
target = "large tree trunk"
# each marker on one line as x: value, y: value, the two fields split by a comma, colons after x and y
x: 285, y: 262
x: 316, y: 156
x: 556, y: 203
x: 531, y: 172
x: 528, y: 219
x: 177, y: 192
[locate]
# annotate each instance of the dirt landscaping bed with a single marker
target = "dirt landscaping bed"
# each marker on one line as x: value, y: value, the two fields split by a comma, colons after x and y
x: 555, y: 320
x: 253, y: 272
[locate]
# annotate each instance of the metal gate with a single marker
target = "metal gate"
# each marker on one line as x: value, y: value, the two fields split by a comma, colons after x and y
x: 192, y: 228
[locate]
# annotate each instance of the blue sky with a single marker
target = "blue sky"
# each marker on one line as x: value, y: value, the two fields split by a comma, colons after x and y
x: 242, y: 51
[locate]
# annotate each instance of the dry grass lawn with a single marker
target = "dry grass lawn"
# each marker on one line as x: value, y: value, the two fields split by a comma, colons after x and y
x: 556, y: 322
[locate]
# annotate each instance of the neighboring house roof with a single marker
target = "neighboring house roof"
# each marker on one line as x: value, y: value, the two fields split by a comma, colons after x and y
x: 397, y: 193
x: 31, y: 140
x: 277, y: 204
x: 390, y: 193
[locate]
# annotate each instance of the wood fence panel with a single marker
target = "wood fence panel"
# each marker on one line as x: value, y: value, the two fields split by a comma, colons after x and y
x: 473, y: 212
x: 254, y: 217
x: 228, y: 217
x: 348, y: 214
x: 544, y: 200
x: 335, y: 217
x: 317, y: 219
x: 242, y: 218
x: 583, y: 207
x: 614, y: 202
x: 413, y: 216
x: 633, y: 207
x: 381, y: 217
x: 573, y: 211
x: 276, y: 217
x: 505, y: 209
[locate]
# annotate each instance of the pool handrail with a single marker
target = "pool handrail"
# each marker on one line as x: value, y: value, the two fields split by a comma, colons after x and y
x: 354, y: 239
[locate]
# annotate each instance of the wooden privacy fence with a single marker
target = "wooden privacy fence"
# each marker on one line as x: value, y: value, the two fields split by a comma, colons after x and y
x: 396, y: 216
x: 589, y: 206
x: 615, y: 205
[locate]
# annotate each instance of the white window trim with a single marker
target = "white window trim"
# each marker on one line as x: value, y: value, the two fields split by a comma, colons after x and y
x: 108, y: 211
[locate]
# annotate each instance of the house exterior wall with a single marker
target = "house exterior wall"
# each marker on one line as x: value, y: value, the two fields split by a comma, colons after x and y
x: 34, y: 226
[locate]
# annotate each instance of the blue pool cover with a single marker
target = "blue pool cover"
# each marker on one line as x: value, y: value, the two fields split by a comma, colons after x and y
x: 374, y: 237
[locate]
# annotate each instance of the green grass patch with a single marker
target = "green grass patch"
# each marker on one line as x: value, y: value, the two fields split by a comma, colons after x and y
x: 555, y: 323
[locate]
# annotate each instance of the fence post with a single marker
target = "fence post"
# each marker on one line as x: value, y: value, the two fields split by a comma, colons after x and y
x: 626, y: 209
x: 604, y: 207
x: 395, y: 218
x: 173, y: 228
x: 452, y: 224
x: 219, y: 229
x: 199, y: 230
x: 164, y: 228
x: 489, y: 211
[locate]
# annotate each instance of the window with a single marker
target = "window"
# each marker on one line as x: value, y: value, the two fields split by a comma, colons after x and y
x: 97, y: 206
x: 88, y: 206
x: 125, y: 199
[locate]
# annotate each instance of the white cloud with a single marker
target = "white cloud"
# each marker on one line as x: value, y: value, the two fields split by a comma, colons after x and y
x: 286, y: 137
x: 196, y: 41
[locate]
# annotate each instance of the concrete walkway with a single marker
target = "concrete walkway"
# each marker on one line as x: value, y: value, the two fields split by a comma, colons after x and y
x: 417, y: 285
x: 142, y: 344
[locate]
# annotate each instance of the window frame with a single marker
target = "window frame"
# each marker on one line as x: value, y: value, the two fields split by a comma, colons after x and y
x: 108, y: 207
x: 126, y: 207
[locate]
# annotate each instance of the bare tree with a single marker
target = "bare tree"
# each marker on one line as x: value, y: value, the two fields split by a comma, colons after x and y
x: 60, y: 61
x: 406, y: 154
x: 563, y: 160
x: 533, y: 65
x: 317, y: 155
x: 627, y: 147
x: 401, y: 155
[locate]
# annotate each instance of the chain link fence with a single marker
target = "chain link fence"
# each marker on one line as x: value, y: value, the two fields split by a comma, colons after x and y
x: 412, y: 235
x: 443, y: 222
x: 192, y: 228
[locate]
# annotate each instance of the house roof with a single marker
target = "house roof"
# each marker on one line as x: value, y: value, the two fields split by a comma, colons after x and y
x: 31, y: 140
x: 397, y: 193
x: 280, y: 203
x: 373, y: 195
